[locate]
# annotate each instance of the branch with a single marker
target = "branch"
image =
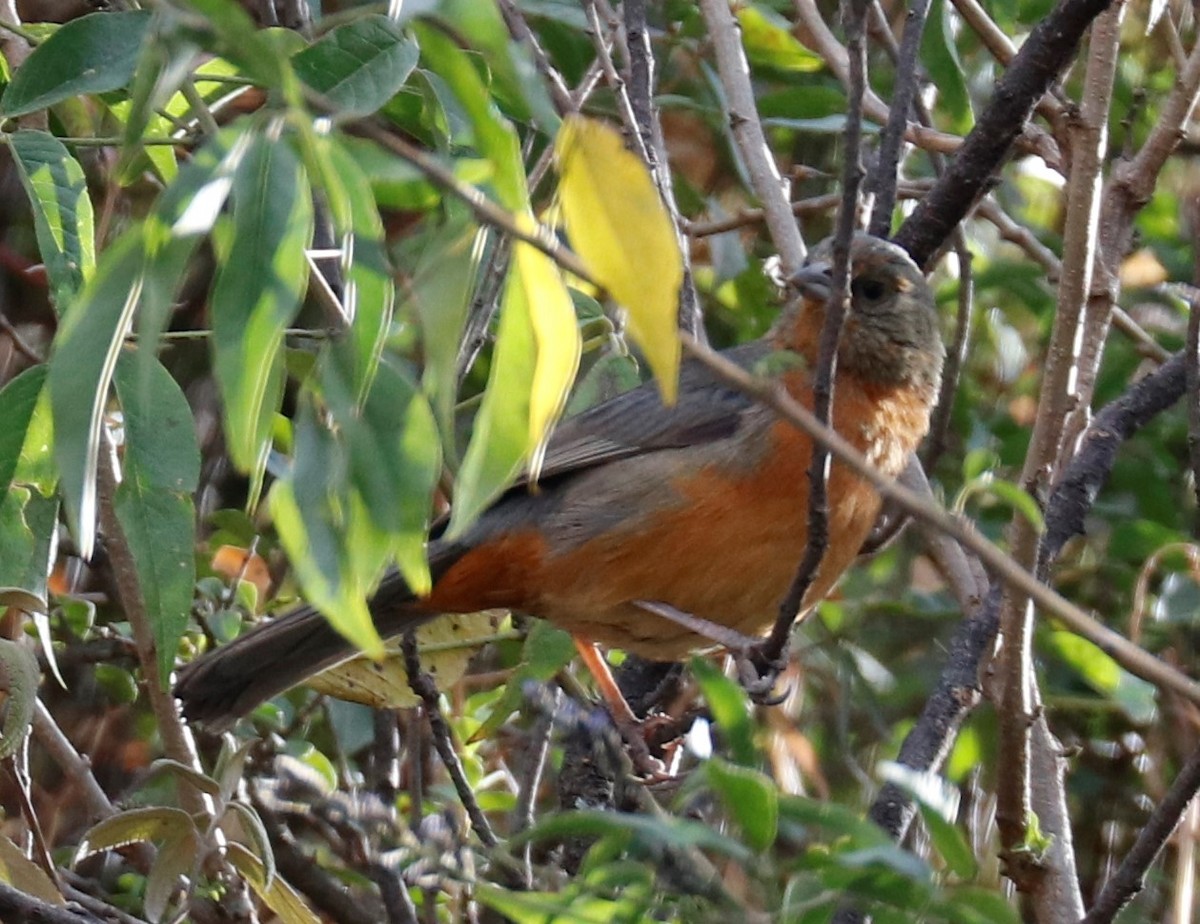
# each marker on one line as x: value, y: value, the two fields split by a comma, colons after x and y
x: 771, y: 189
x: 1050, y: 45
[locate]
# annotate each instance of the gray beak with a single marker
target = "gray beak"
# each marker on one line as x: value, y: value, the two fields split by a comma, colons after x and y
x: 813, y: 280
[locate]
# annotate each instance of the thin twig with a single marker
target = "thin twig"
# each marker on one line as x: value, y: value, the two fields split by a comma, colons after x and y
x: 817, y: 539
x: 886, y: 173
x: 443, y: 740
x: 1127, y: 881
x: 772, y: 190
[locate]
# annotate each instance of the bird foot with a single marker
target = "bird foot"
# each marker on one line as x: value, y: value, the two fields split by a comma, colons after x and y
x: 759, y: 671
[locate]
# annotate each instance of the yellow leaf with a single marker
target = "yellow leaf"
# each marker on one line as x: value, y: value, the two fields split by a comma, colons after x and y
x: 446, y: 646
x: 617, y: 224
x: 555, y: 337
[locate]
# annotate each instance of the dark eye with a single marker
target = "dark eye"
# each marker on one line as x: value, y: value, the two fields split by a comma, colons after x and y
x: 872, y: 290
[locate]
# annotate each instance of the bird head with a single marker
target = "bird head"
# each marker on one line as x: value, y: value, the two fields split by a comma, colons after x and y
x: 890, y: 334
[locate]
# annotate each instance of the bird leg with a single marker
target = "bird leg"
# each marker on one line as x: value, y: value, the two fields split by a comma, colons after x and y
x: 628, y: 724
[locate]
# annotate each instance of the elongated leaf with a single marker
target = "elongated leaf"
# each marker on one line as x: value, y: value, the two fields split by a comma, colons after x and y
x: 768, y: 40
x: 81, y: 370
x: 537, y: 351
x: 20, y: 872
x: 395, y: 462
x: 28, y: 537
x: 21, y: 675
x: 358, y: 66
x: 939, y: 54
x: 938, y: 803
x: 662, y: 832
x: 177, y: 857
x: 440, y: 293
x: 62, y: 211
x: 617, y: 223
x: 370, y: 293
x: 17, y: 402
x: 278, y: 894
x: 547, y: 650
x: 318, y: 522
x: 495, y: 137
x: 154, y: 500
x: 92, y: 54
x: 248, y: 47
x: 260, y: 277
x: 139, y: 825
x: 255, y: 831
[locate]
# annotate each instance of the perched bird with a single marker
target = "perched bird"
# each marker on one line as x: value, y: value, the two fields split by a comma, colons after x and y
x: 700, y: 508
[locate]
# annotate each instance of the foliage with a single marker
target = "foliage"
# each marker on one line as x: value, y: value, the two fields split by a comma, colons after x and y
x: 271, y: 293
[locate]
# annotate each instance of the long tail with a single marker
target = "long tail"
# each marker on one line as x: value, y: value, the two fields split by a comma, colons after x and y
x: 221, y: 686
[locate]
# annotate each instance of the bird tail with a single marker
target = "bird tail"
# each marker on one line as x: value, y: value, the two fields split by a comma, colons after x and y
x: 225, y: 684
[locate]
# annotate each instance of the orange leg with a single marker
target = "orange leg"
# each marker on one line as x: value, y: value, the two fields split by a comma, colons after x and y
x: 628, y: 724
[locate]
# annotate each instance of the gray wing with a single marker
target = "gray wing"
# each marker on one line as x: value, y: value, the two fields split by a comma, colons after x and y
x: 637, y: 421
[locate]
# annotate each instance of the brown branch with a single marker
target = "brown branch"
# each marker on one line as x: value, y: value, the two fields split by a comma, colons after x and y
x: 1050, y: 45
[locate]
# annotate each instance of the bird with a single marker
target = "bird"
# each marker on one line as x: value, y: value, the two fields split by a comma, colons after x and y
x: 641, y: 510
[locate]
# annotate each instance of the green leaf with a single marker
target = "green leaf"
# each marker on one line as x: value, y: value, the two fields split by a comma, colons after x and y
x: 178, y: 856
x: 319, y: 522
x: 239, y: 40
x: 547, y: 650
x: 656, y: 833
x: 81, y: 369
x: 62, y: 210
x: 495, y: 137
x: 28, y: 524
x: 369, y: 294
x: 138, y: 825
x: 768, y: 40
x: 182, y: 773
x: 1137, y: 698
x: 358, y: 66
x: 252, y: 827
x: 154, y: 501
x: 750, y: 797
x: 439, y: 293
x: 939, y: 54
x: 562, y: 907
x: 18, y: 399
x: 92, y: 54
x: 21, y: 676
x: 730, y: 711
x: 260, y: 277
x: 395, y: 463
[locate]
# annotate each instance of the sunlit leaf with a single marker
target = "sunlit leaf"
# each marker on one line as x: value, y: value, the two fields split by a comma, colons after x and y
x: 768, y: 40
x: 618, y: 225
x: 260, y: 276
x: 537, y: 351
x: 62, y: 210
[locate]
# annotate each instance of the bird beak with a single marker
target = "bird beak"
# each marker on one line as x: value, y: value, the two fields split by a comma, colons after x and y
x: 814, y: 281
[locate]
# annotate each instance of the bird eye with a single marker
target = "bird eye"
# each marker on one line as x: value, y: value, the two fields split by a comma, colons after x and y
x: 870, y: 289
